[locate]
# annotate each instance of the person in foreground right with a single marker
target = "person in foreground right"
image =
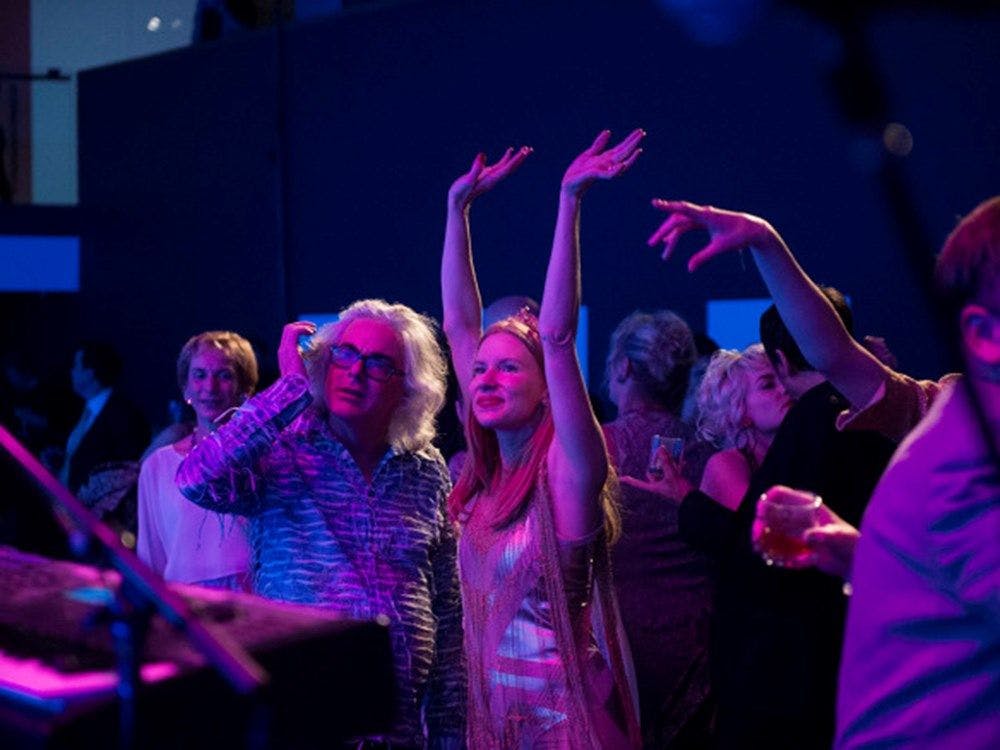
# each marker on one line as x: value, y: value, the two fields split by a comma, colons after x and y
x: 921, y: 660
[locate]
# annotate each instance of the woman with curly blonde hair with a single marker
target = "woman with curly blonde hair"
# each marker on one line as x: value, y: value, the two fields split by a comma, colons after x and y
x: 741, y: 404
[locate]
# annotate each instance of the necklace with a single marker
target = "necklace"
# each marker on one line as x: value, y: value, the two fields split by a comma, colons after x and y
x: 197, y: 435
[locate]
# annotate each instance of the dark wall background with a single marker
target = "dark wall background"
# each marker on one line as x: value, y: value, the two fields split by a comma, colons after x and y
x: 236, y: 185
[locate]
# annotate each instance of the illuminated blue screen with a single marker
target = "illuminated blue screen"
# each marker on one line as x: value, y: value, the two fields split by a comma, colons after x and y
x: 39, y: 264
x: 734, y: 323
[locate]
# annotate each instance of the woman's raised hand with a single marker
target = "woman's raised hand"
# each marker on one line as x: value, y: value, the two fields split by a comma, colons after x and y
x: 289, y: 357
x: 483, y: 177
x: 727, y: 230
x: 601, y: 163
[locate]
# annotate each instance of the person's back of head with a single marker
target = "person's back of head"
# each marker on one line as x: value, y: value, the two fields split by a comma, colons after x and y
x: 775, y: 336
x: 103, y: 360
x: 660, y: 350
x: 968, y: 277
x: 506, y: 307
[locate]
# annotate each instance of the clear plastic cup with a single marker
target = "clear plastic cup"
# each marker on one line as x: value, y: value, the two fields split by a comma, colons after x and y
x: 783, y: 517
x: 674, y: 446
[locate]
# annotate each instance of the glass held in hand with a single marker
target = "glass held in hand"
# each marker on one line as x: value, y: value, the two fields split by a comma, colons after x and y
x: 673, y: 446
x: 783, y: 517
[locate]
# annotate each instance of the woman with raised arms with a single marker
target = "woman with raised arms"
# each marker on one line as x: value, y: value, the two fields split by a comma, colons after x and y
x: 534, y: 503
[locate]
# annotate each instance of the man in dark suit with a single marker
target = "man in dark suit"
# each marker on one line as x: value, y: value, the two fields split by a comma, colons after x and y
x: 110, y: 427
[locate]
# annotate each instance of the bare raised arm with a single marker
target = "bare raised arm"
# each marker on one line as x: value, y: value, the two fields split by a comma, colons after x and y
x: 578, y: 459
x: 810, y: 317
x: 463, y: 307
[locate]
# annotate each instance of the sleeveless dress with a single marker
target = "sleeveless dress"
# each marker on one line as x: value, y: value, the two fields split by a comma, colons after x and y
x: 664, y: 588
x: 546, y: 658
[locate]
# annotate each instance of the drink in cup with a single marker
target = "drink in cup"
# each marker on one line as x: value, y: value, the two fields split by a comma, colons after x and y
x: 674, y: 446
x: 783, y: 518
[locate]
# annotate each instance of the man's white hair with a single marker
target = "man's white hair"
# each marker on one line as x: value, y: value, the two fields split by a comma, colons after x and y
x: 412, y: 426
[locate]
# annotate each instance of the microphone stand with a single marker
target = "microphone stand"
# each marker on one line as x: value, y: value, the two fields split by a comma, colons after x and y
x: 141, y: 595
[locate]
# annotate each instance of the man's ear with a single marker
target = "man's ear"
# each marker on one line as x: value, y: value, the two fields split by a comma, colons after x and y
x: 980, y: 330
x: 623, y: 369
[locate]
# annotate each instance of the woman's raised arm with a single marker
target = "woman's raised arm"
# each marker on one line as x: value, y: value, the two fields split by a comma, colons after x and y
x: 811, y: 319
x: 463, y: 306
x: 578, y: 459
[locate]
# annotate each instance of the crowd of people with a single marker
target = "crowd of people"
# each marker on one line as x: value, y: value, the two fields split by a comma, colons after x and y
x: 569, y: 584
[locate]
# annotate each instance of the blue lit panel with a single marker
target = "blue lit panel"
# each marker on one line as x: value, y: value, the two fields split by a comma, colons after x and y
x: 735, y: 323
x: 319, y: 318
x: 39, y: 264
x: 582, y: 339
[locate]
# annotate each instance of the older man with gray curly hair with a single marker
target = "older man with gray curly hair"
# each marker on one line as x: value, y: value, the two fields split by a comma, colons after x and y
x: 334, y: 466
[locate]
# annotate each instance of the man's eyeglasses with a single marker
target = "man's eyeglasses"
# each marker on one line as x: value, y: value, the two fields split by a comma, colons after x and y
x: 376, y: 366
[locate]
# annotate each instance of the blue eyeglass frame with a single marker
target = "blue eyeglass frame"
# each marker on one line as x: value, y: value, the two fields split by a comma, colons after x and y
x: 365, y: 359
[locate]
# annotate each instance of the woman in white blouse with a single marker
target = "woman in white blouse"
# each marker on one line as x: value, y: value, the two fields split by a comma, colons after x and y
x: 216, y: 371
